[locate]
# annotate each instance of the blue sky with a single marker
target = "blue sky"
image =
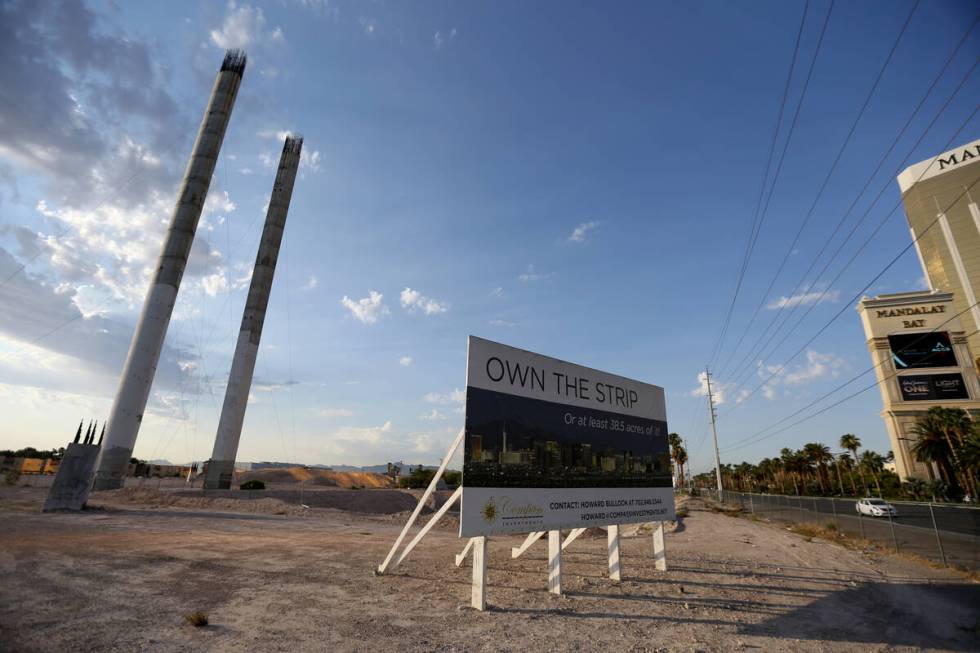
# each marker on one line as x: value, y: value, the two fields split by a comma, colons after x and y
x: 575, y: 179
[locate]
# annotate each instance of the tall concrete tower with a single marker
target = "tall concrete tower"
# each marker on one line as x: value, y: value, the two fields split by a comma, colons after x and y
x: 144, y: 350
x: 222, y: 463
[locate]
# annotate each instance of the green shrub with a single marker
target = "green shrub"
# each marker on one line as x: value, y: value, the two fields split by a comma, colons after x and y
x: 12, y: 477
x: 681, y: 512
x: 252, y: 485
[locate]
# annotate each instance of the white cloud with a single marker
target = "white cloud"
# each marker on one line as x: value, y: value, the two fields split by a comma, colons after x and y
x: 457, y: 396
x: 405, y: 361
x: 818, y: 366
x: 309, y: 160
x: 433, y: 416
x: 497, y: 292
x: 241, y: 26
x: 413, y: 299
x: 215, y: 283
x: 367, y: 309
x: 440, y: 38
x: 311, y: 283
x: 531, y: 274
x: 277, y: 35
x: 368, y: 435
x: 502, y: 323
x: 580, y: 233
x: 721, y: 392
x: 804, y: 299
x: 334, y: 412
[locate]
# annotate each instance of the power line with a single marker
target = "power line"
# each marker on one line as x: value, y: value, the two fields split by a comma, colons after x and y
x: 894, y: 260
x: 826, y: 181
x: 754, y: 226
x: 826, y: 408
x: 761, y: 341
x: 746, y: 441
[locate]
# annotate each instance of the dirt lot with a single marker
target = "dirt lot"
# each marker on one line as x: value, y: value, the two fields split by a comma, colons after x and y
x: 122, y: 576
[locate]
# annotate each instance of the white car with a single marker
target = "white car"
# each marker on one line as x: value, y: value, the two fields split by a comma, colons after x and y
x: 875, y: 508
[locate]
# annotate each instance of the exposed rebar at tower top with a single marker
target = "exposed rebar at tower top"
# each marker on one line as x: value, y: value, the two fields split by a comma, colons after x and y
x: 234, y: 62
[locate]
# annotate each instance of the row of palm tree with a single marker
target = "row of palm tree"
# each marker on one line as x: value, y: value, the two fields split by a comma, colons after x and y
x: 678, y: 454
x: 946, y: 440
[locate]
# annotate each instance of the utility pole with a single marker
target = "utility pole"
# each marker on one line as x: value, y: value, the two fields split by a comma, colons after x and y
x: 714, y: 431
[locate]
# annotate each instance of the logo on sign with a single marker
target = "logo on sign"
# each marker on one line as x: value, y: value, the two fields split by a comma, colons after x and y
x: 490, y: 511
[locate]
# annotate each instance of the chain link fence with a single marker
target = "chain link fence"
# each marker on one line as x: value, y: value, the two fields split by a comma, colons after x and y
x: 941, y: 532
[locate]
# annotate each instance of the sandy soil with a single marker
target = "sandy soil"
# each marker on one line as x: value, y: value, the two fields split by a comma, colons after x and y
x: 122, y: 576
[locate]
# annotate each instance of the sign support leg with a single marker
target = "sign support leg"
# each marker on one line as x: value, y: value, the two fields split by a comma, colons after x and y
x: 571, y: 537
x: 659, y: 547
x: 612, y: 544
x: 462, y: 554
x: 428, y: 526
x: 478, y: 598
x: 517, y: 551
x: 428, y: 491
x: 554, y: 562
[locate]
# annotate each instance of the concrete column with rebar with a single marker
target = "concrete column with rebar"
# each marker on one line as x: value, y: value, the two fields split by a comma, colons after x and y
x: 144, y: 350
x: 221, y: 467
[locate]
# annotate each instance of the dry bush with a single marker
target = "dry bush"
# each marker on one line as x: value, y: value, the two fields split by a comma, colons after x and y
x: 197, y: 619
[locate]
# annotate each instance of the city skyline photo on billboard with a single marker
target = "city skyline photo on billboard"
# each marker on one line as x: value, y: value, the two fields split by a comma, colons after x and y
x: 550, y: 444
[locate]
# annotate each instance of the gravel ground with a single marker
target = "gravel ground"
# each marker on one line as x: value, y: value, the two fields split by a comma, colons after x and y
x: 121, y: 577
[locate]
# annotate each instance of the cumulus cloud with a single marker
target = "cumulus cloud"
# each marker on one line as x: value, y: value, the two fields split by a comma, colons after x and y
x: 311, y: 283
x: 721, y: 392
x: 804, y: 299
x: 241, y: 27
x: 405, y: 361
x: 432, y: 416
x: 581, y: 232
x: 66, y: 345
x: 502, y: 323
x: 368, y: 309
x: 818, y: 366
x: 413, y: 300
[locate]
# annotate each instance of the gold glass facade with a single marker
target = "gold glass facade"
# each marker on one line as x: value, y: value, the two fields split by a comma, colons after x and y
x: 940, y: 196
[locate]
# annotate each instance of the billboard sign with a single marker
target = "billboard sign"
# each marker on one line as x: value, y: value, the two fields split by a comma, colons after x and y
x: 932, y: 387
x: 550, y: 445
x: 918, y: 350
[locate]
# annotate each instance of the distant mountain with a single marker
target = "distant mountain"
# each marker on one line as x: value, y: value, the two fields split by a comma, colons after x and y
x: 375, y: 469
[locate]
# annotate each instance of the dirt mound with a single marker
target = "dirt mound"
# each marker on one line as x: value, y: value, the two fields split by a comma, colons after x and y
x: 148, y: 498
x: 319, y: 477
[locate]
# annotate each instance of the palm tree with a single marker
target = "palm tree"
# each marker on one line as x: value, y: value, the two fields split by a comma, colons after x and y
x: 852, y: 442
x: 788, y: 457
x: 818, y: 455
x: 874, y: 463
x: 680, y: 457
x: 675, y: 442
x: 952, y: 425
